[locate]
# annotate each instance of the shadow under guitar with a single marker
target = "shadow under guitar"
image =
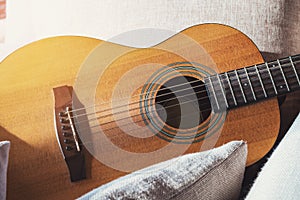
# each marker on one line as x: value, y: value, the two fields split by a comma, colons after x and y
x: 25, y: 163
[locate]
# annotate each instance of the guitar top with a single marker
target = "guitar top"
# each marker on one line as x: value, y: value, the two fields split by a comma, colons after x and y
x: 115, y: 109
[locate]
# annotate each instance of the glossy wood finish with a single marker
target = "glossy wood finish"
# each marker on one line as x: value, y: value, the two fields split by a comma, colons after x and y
x: 36, y: 167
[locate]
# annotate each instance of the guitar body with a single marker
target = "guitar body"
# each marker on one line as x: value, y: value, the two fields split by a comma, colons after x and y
x: 28, y: 76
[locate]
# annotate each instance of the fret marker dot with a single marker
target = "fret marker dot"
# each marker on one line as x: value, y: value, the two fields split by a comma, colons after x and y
x: 245, y: 84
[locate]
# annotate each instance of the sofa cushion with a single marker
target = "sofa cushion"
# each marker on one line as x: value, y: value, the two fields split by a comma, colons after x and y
x: 213, y: 174
x: 4, y: 148
x: 280, y: 177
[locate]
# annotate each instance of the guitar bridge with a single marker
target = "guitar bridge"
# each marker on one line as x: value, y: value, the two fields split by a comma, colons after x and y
x: 68, y: 128
x: 66, y: 133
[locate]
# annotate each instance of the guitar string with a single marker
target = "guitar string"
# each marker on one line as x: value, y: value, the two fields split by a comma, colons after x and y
x: 127, y: 130
x: 137, y: 121
x: 262, y: 64
x: 154, y: 110
x: 125, y: 111
x: 126, y: 124
x: 288, y: 59
x: 137, y: 102
x: 242, y: 76
x: 136, y: 128
x: 120, y: 106
x: 137, y: 108
x: 152, y: 117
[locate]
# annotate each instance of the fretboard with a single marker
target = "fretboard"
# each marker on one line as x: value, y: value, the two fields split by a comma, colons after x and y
x: 254, y: 83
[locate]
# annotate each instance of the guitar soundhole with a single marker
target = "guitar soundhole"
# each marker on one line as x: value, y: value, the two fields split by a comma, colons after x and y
x: 182, y: 102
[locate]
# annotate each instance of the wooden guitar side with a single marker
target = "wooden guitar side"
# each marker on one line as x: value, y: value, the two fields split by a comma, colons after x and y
x: 27, y: 77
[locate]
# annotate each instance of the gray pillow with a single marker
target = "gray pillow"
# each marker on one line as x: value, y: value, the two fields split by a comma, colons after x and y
x: 213, y: 174
x: 4, y: 149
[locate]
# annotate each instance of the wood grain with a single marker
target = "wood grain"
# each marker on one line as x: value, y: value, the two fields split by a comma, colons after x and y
x: 36, y: 167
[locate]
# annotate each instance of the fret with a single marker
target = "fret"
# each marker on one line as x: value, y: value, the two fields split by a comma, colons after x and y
x: 284, y: 78
x: 290, y: 75
x: 218, y: 89
x: 235, y: 88
x: 278, y: 77
x: 296, y: 62
x: 271, y: 78
x: 230, y: 88
x: 213, y: 102
x: 237, y: 77
x: 233, y: 80
x: 251, y: 87
x: 294, y: 68
x: 249, y: 84
x: 266, y: 80
x: 246, y: 84
x: 261, y: 83
x: 223, y: 91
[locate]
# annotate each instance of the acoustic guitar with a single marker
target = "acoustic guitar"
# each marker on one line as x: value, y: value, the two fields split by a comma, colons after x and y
x: 80, y: 112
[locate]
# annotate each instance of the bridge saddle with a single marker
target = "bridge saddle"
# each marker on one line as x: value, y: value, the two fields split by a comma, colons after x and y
x: 66, y: 134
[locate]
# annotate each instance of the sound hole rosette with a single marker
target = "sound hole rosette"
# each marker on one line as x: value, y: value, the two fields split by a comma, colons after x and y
x: 157, y: 125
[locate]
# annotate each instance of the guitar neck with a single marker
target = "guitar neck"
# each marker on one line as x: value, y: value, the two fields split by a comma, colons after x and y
x: 254, y: 83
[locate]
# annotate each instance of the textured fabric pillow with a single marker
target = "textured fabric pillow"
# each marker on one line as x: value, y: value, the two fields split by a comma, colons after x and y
x: 213, y: 174
x: 4, y: 148
x: 280, y: 177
